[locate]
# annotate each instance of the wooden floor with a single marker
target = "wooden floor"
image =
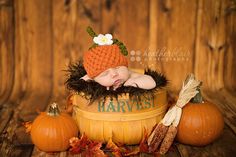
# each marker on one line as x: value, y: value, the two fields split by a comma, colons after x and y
x: 16, y: 143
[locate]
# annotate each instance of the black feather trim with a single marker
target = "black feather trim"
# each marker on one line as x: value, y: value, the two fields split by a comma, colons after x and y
x: 93, y: 91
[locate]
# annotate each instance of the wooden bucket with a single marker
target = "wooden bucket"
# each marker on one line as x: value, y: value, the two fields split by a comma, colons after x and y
x: 124, y: 120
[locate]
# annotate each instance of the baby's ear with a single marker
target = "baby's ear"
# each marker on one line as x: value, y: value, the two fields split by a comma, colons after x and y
x: 86, y: 78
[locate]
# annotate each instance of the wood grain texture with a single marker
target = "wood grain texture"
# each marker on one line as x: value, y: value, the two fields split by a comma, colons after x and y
x: 211, y: 43
x: 32, y: 71
x: 221, y: 147
x: 64, y: 22
x: 6, y: 52
x: 6, y: 2
x: 131, y: 27
x: 33, y: 55
x: 230, y: 57
x: 226, y: 101
x: 14, y: 140
x: 88, y: 14
x: 153, y: 63
x: 175, y: 39
x: 109, y: 16
x: 5, y: 116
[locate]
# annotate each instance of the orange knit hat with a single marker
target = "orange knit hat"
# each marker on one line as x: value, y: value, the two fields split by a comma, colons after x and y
x: 101, y: 58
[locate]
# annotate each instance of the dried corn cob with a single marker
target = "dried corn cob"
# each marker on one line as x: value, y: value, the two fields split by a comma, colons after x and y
x: 156, y: 137
x: 168, y: 140
x: 167, y: 128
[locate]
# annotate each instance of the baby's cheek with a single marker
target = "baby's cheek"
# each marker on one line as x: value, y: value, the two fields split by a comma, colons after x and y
x: 123, y: 73
x: 105, y: 82
x: 124, y: 77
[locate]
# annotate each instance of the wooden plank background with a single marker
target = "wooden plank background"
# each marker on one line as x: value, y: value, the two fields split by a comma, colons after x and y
x: 39, y: 38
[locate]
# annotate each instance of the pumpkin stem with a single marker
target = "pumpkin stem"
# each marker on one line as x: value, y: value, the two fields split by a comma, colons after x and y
x: 198, y: 97
x: 53, y: 110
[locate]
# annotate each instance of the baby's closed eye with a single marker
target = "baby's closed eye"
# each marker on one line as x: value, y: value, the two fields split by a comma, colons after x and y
x: 104, y: 73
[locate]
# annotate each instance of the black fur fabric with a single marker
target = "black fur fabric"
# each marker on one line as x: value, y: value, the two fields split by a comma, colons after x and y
x: 92, y: 90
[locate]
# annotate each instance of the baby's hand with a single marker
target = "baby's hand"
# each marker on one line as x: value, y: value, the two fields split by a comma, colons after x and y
x: 86, y: 78
x: 131, y: 82
x: 141, y: 81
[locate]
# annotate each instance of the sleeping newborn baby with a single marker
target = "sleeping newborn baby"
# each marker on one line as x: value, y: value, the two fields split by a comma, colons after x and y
x: 106, y: 64
x: 121, y: 75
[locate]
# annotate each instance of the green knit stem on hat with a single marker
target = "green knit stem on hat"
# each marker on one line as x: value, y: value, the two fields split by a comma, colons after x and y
x: 91, y: 32
x: 121, y: 46
x: 93, y: 46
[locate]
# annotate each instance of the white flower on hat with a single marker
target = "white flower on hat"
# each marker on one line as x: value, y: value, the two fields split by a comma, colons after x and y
x: 103, y: 39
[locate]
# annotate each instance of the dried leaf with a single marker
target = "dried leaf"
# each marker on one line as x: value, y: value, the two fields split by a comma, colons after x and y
x: 123, y: 148
x: 93, y: 150
x: 86, y: 147
x: 132, y: 152
x: 28, y: 126
x: 78, y: 145
x: 114, y: 148
x: 119, y: 149
x: 74, y: 141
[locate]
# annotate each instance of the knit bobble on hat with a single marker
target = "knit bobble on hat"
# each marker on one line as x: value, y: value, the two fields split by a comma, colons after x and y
x: 101, y: 58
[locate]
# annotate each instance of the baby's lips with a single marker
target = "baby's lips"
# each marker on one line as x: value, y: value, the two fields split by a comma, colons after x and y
x: 116, y: 82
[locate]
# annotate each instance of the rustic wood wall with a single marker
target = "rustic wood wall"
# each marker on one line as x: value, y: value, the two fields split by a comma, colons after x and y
x: 39, y: 38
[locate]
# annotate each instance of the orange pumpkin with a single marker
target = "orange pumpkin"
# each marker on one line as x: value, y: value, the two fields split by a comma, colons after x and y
x: 51, y: 131
x: 200, y: 124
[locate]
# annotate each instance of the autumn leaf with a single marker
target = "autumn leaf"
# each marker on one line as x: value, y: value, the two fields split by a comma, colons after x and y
x: 28, y: 126
x: 84, y: 141
x: 78, y: 145
x: 75, y: 145
x: 86, y: 147
x: 93, y: 150
x: 132, y: 152
x: 90, y: 148
x: 119, y: 149
x: 114, y: 148
x: 124, y: 149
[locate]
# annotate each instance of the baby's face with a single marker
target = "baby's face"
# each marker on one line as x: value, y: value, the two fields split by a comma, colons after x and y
x: 113, y: 77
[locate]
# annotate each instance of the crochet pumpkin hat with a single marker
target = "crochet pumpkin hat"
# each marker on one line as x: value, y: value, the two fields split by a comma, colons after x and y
x: 104, y: 54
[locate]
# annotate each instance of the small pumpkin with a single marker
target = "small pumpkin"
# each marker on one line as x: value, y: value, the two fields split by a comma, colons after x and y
x: 51, y: 130
x: 200, y: 124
